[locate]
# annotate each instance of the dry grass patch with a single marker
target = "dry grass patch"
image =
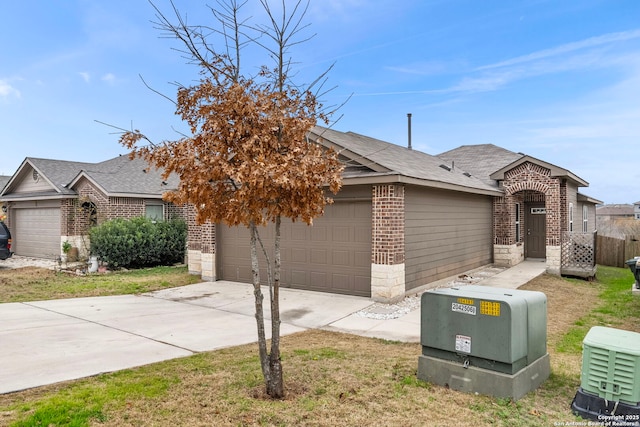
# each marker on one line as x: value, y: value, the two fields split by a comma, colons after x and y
x: 332, y: 379
x: 35, y: 284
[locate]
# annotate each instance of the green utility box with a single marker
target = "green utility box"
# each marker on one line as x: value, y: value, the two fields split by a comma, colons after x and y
x: 482, y: 339
x: 610, y: 377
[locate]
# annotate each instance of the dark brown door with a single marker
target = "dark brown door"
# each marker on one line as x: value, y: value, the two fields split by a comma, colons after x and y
x: 536, y: 222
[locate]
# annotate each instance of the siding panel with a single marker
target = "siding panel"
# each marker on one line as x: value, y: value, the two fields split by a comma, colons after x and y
x: 445, y: 233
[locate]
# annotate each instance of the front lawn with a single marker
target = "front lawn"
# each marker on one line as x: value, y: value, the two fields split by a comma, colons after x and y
x: 36, y: 284
x: 333, y: 379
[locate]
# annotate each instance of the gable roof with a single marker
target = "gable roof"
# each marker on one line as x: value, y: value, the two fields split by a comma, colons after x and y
x: 117, y: 177
x: 481, y: 160
x: 122, y: 176
x: 491, y: 162
x: 371, y: 160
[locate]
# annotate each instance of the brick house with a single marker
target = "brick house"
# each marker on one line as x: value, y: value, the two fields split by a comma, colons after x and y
x: 49, y: 201
x: 402, y: 220
x: 405, y: 219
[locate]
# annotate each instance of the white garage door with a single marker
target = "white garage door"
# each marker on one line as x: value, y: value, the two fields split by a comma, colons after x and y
x: 36, y: 232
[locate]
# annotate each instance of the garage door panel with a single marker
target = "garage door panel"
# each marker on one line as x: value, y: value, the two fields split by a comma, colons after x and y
x: 341, y: 258
x: 318, y: 256
x: 299, y: 256
x: 298, y: 233
x: 332, y: 255
x: 341, y: 282
x: 362, y: 259
x: 318, y: 233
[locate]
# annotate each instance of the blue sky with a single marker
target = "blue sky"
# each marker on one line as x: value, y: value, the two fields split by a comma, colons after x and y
x: 557, y: 80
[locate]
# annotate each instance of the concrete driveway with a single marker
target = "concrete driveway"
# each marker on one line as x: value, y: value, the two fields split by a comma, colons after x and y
x: 45, y: 342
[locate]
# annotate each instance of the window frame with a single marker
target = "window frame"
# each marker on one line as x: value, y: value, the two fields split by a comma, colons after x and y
x: 571, y: 216
x: 154, y: 205
x: 518, y: 216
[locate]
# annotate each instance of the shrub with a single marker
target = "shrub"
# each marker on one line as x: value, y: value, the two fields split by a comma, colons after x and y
x: 139, y: 242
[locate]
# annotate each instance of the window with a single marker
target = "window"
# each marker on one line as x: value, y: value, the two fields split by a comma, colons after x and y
x: 570, y: 216
x: 155, y: 212
x: 517, y: 222
x: 585, y: 219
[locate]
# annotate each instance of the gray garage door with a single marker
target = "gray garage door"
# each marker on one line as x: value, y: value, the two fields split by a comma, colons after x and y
x: 36, y: 232
x: 333, y: 255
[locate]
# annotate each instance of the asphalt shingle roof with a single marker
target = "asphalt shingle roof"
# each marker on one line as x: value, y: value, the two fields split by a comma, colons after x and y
x: 119, y: 175
x: 3, y: 181
x: 400, y: 160
x: 123, y: 175
x: 58, y: 172
x: 481, y: 160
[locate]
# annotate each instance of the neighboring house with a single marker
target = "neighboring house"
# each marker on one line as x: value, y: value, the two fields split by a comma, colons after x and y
x: 3, y: 181
x: 49, y: 202
x: 636, y: 210
x: 613, y: 212
x: 402, y: 220
x: 617, y: 220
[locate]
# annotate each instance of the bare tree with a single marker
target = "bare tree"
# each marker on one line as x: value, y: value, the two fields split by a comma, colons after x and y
x: 249, y: 161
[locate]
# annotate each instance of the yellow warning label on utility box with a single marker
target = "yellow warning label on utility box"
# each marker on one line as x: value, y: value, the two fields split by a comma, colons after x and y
x: 467, y: 301
x: 490, y: 308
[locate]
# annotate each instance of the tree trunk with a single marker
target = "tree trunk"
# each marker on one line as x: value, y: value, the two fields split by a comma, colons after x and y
x: 257, y: 292
x: 275, y: 385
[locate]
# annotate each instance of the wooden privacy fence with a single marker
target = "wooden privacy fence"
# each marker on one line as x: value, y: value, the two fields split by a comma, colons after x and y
x: 614, y: 252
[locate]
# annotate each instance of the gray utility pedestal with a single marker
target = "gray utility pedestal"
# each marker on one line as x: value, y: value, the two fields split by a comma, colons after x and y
x: 634, y: 266
x: 484, y: 340
x: 483, y: 381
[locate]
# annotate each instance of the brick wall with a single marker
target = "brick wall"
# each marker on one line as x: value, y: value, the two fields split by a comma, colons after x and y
x: 529, y: 182
x: 193, y: 230
x: 387, y: 225
x: 76, y: 214
x: 93, y: 206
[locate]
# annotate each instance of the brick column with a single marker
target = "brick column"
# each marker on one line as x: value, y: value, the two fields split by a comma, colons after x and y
x: 554, y: 213
x: 194, y: 242
x: 387, y: 243
x: 208, y: 254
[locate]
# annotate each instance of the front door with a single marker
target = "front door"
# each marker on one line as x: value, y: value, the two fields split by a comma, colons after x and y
x: 536, y: 221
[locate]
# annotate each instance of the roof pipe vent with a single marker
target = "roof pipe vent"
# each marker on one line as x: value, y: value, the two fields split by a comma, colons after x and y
x: 409, y: 131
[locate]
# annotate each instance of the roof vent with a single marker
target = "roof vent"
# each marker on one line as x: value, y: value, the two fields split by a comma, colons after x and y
x: 467, y: 174
x: 445, y: 167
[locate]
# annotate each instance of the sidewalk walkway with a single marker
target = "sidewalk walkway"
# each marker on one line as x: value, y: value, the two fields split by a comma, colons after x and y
x: 401, y: 321
x: 45, y: 342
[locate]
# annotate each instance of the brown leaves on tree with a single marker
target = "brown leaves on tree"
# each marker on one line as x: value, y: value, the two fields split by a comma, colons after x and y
x: 249, y: 159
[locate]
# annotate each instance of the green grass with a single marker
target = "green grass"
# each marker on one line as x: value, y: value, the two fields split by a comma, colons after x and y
x: 36, y: 284
x: 616, y: 305
x: 332, y: 378
x: 86, y: 402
